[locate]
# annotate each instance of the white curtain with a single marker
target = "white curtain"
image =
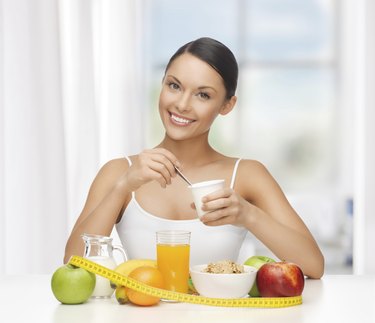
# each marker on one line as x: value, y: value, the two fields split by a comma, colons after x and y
x: 69, y: 102
x: 363, y: 76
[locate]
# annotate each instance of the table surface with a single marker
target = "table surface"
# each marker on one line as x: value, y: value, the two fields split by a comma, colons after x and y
x: 334, y: 298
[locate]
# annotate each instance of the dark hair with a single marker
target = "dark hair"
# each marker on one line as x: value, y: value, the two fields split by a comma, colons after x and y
x: 217, y: 55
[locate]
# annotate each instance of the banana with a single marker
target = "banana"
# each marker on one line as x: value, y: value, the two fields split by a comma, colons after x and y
x: 121, y: 296
x: 128, y: 266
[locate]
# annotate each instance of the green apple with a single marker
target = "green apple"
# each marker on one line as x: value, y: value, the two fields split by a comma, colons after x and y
x: 191, y: 287
x: 257, y: 262
x: 72, y: 285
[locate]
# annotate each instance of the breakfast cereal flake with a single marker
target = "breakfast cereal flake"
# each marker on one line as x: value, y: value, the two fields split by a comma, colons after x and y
x: 224, y: 267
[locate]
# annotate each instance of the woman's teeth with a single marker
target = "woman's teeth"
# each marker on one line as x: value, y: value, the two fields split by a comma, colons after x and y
x: 180, y: 120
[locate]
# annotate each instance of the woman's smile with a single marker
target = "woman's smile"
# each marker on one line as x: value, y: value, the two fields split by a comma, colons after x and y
x: 180, y: 120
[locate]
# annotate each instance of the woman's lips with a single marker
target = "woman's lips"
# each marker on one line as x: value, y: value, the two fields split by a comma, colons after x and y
x: 179, y: 120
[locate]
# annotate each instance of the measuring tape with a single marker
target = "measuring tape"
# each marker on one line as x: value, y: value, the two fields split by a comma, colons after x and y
x: 119, y: 279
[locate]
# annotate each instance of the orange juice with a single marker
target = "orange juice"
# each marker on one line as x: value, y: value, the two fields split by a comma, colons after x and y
x: 173, y: 262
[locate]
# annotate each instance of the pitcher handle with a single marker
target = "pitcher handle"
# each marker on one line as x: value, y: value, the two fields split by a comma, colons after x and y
x: 122, y: 251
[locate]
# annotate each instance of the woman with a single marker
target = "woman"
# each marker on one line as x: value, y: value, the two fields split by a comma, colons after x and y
x: 141, y: 194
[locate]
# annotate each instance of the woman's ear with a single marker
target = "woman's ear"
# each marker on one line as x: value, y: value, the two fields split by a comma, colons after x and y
x: 228, y: 105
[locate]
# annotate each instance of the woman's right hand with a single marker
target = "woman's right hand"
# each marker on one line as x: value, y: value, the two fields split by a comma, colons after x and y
x: 152, y: 164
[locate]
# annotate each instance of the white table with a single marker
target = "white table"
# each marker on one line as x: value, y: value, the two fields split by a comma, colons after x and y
x: 345, y: 298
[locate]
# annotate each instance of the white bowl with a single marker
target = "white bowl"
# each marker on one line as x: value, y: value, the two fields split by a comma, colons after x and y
x: 222, y: 285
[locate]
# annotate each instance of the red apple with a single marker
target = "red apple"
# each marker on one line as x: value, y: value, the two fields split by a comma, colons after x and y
x: 257, y: 262
x: 280, y: 279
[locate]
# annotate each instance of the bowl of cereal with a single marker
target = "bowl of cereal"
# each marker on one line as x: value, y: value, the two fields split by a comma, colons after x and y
x: 223, y: 279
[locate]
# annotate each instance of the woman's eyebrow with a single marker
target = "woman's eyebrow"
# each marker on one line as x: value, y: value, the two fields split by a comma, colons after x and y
x: 175, y: 78
x: 207, y: 87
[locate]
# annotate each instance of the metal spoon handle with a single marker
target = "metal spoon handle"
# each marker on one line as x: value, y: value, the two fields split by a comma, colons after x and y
x: 182, y: 176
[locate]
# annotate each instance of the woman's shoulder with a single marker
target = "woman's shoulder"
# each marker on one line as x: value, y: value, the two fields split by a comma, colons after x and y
x: 116, y: 163
x: 252, y: 176
x: 245, y: 167
x: 253, y: 166
x: 115, y: 166
x: 255, y: 182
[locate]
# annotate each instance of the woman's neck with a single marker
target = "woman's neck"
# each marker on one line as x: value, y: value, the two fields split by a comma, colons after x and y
x: 192, y: 152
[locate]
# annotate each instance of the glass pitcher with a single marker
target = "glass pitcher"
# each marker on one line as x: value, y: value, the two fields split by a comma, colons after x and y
x: 99, y: 249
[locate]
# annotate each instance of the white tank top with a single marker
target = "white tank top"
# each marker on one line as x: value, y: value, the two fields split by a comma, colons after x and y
x: 137, y: 228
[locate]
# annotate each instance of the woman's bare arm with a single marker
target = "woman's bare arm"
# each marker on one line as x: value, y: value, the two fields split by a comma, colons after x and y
x: 274, y: 222
x: 260, y: 206
x: 111, y: 191
x: 107, y: 196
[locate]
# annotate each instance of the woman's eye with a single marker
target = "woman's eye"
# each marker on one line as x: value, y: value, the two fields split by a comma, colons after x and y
x: 203, y: 95
x: 173, y: 86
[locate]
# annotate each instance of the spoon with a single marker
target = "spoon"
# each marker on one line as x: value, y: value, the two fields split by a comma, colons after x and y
x: 182, y: 176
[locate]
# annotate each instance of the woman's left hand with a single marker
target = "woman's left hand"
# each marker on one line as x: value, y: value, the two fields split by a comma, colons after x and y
x: 225, y: 207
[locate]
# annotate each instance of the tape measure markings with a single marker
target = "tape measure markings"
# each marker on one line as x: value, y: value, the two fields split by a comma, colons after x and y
x: 119, y: 279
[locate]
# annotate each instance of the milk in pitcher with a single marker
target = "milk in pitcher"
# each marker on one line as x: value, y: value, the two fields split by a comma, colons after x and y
x: 103, y: 287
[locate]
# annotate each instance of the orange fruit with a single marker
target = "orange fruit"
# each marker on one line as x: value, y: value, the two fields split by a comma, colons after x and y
x: 150, y: 276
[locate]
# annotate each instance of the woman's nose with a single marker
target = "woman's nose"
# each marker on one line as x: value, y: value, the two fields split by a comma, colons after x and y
x: 183, y: 104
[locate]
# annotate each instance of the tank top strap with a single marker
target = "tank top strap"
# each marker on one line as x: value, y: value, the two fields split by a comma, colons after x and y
x: 129, y: 160
x: 234, y: 173
x: 130, y: 163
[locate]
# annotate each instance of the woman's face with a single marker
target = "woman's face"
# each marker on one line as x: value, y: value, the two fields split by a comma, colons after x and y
x: 192, y: 96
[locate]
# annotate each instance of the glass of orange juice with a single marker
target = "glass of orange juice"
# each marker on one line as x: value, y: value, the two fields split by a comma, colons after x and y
x: 173, y: 255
